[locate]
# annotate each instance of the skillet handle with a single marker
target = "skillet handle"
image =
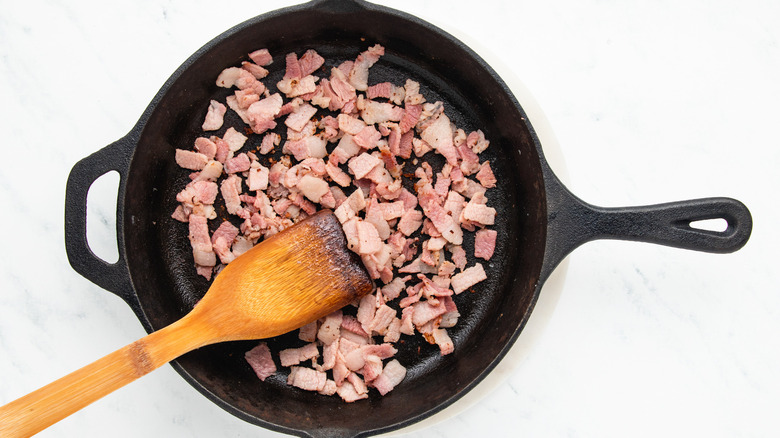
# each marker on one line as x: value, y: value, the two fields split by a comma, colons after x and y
x: 572, y: 222
x: 113, y: 277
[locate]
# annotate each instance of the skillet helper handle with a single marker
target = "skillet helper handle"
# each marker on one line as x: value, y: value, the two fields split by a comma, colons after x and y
x: 110, y: 276
x: 40, y: 409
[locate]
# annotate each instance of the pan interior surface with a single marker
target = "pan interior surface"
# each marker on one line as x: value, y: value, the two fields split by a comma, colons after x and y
x: 159, y: 254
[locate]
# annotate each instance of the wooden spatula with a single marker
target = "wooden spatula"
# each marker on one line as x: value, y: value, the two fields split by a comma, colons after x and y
x: 283, y: 283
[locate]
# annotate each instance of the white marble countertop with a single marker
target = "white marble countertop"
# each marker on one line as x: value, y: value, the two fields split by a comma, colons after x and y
x: 649, y: 101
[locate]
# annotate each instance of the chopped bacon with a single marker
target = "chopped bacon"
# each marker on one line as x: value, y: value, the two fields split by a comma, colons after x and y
x: 380, y: 112
x: 469, y: 277
x: 364, y: 163
x: 307, y: 378
x: 410, y: 221
x: 261, y: 57
x: 231, y: 188
x: 411, y: 116
x: 259, y: 358
x: 477, y: 142
x: 202, y: 250
x: 312, y: 187
x: 214, y: 116
x: 270, y: 140
x: 191, y: 160
x: 294, y: 356
x: 300, y: 117
x: 258, y: 177
x: 368, y: 237
x: 205, y: 147
x: 239, y: 163
x: 350, y: 125
x: 485, y: 176
x: 485, y: 243
x: 257, y: 71
x: 261, y: 113
x: 392, y: 374
x: 392, y: 196
x: 309, y: 62
x: 358, y: 76
x: 367, y: 137
x: 438, y: 134
x: 479, y: 213
x: 470, y: 163
x: 223, y: 239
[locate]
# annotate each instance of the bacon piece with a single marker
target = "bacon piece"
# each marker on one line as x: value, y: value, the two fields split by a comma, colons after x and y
x: 470, y: 160
x: 191, y: 160
x: 443, y: 340
x: 458, y: 256
x: 300, y: 117
x: 270, y: 140
x: 485, y: 243
x: 367, y: 137
x: 410, y: 118
x: 261, y: 113
x: 380, y: 112
x: 258, y: 177
x: 368, y: 237
x: 294, y: 356
x: 410, y: 221
x: 485, y: 176
x: 438, y: 134
x: 358, y: 76
x: 392, y: 374
x: 424, y: 311
x: 293, y: 67
x: 337, y: 175
x: 227, y: 78
x: 230, y: 188
x: 307, y: 378
x: 364, y: 163
x: 312, y: 187
x: 339, y: 90
x: 349, y: 394
x: 214, y: 116
x: 257, y: 71
x: 309, y: 62
x: 479, y: 213
x: 469, y: 277
x: 223, y: 239
x: 477, y: 142
x: 261, y: 57
x: 294, y: 87
x: 200, y: 241
x: 239, y: 163
x: 206, y: 147
x: 259, y: 358
x: 349, y: 124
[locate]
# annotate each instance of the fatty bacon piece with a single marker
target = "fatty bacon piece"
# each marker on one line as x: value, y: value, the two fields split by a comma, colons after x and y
x: 202, y: 251
x: 438, y: 134
x: 358, y: 76
x: 261, y: 114
x: 297, y: 80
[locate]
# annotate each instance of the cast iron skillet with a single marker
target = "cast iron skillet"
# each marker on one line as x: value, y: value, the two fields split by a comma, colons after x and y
x: 539, y: 220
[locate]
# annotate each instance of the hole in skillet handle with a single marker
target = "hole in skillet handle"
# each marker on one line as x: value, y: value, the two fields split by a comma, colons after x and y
x: 101, y: 217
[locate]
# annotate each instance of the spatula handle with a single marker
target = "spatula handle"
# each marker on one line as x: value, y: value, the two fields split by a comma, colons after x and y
x: 40, y: 409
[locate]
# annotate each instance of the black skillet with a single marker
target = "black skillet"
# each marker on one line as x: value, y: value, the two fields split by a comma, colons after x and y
x: 538, y: 219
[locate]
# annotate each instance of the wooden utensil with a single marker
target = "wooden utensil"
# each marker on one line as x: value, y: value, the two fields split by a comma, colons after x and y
x: 285, y: 282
